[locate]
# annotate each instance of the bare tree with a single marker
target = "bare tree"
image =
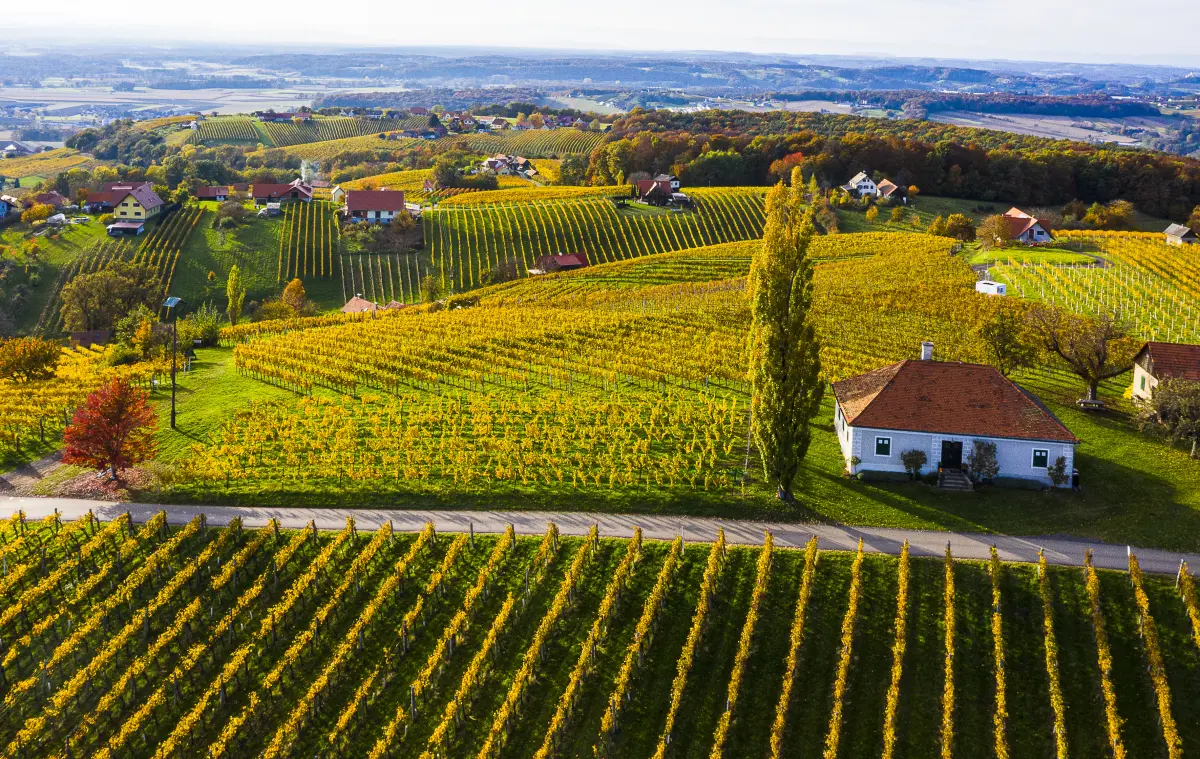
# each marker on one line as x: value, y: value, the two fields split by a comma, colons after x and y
x: 1094, y: 348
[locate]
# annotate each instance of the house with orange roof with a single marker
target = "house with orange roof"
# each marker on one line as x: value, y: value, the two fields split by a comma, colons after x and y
x: 1026, y: 229
x: 946, y: 409
x: 1156, y: 362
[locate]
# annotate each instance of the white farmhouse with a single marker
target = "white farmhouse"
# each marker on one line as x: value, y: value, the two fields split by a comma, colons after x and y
x: 1026, y: 229
x: 374, y: 206
x: 1156, y: 362
x: 942, y: 408
x: 862, y: 185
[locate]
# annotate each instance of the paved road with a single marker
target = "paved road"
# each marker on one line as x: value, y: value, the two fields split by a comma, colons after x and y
x: 1063, y: 551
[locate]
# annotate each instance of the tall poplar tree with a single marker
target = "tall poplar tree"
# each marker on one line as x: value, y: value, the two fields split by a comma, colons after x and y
x: 785, y: 363
x: 236, y: 292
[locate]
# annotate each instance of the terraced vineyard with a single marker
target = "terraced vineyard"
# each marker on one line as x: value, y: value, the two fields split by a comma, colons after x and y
x: 468, y: 239
x: 309, y: 241
x: 323, y: 151
x: 383, y: 277
x: 226, y: 129
x: 1152, y: 285
x: 160, y: 249
x: 541, y: 143
x: 192, y: 641
x: 334, y: 128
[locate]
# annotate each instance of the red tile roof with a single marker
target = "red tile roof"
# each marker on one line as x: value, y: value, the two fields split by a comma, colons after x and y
x: 104, y: 196
x: 127, y: 185
x: 52, y: 198
x: 562, y: 261
x: 274, y: 191
x: 357, y: 305
x: 949, y: 398
x: 1170, y: 360
x: 375, y: 200
x: 645, y: 186
x: 1020, y: 222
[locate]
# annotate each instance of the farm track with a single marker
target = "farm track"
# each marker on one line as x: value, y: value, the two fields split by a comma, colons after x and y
x: 964, y: 545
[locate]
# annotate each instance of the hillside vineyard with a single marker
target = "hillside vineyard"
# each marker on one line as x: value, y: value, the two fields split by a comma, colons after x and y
x: 149, y: 640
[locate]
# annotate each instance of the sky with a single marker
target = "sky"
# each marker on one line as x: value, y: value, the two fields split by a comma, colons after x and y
x: 1098, y: 31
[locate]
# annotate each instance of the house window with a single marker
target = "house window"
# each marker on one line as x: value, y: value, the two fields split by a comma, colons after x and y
x: 124, y: 213
x: 1041, y: 458
x: 1143, y: 382
x: 883, y: 446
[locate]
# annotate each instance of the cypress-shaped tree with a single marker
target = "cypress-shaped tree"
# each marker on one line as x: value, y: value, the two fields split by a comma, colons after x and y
x: 785, y: 363
x: 236, y: 294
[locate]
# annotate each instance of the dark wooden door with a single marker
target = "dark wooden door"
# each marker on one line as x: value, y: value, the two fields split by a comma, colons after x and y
x: 951, y: 455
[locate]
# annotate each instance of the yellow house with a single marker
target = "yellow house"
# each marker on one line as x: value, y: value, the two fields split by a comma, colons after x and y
x: 140, y: 203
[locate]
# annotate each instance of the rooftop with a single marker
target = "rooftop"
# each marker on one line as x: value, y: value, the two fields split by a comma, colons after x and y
x: 947, y: 397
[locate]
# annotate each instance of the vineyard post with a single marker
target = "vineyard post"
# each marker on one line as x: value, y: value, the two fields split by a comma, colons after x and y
x: 172, y: 304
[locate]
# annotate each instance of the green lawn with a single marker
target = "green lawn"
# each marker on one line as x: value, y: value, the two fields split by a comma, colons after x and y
x: 1024, y: 255
x: 1134, y: 490
x: 254, y: 247
x: 55, y: 254
x: 926, y: 207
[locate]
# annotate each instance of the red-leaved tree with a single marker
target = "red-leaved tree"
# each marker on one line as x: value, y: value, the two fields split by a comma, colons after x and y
x: 113, y: 429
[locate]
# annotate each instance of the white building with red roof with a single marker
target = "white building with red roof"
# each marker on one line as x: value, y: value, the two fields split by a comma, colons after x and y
x: 374, y: 206
x: 1026, y: 229
x: 1156, y: 362
x: 942, y: 409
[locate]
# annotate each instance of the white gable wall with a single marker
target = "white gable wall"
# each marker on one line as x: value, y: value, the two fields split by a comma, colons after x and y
x: 1014, y: 456
x: 1143, y: 383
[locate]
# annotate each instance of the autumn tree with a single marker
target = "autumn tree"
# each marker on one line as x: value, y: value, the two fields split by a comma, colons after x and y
x: 1173, y: 412
x: 1005, y: 336
x: 960, y: 227
x: 431, y: 289
x: 1194, y: 220
x: 28, y: 358
x: 113, y: 429
x: 100, y: 299
x: 785, y: 364
x: 235, y: 292
x: 294, y: 295
x: 1094, y: 348
x: 937, y: 226
x: 872, y: 213
x: 993, y: 232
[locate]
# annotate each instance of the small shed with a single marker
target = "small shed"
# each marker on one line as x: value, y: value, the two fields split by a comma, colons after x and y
x: 1177, y: 234
x: 988, y: 287
x: 126, y: 228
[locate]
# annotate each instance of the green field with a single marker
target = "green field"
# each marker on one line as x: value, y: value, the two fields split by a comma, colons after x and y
x: 251, y: 642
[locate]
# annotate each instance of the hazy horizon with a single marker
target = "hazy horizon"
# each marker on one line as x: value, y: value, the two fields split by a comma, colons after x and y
x: 1051, y: 31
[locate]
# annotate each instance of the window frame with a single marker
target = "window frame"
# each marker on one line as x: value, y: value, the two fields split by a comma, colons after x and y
x: 887, y: 442
x: 1033, y: 460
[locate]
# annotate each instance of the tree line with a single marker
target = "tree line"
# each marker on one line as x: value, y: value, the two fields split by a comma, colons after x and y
x: 740, y: 148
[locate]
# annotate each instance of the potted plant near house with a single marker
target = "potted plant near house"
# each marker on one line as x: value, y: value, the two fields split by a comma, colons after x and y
x: 982, y: 462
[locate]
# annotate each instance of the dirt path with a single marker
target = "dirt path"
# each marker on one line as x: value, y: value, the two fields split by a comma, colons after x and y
x: 21, y: 480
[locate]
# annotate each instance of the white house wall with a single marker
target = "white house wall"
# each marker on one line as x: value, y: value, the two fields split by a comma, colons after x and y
x: 1015, y: 457
x: 1142, y: 377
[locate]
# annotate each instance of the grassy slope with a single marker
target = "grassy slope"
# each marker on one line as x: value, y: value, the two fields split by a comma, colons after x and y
x: 254, y: 247
x: 1135, y: 490
x: 56, y: 254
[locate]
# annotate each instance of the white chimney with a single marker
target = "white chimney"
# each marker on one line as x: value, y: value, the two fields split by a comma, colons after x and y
x: 926, y: 351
